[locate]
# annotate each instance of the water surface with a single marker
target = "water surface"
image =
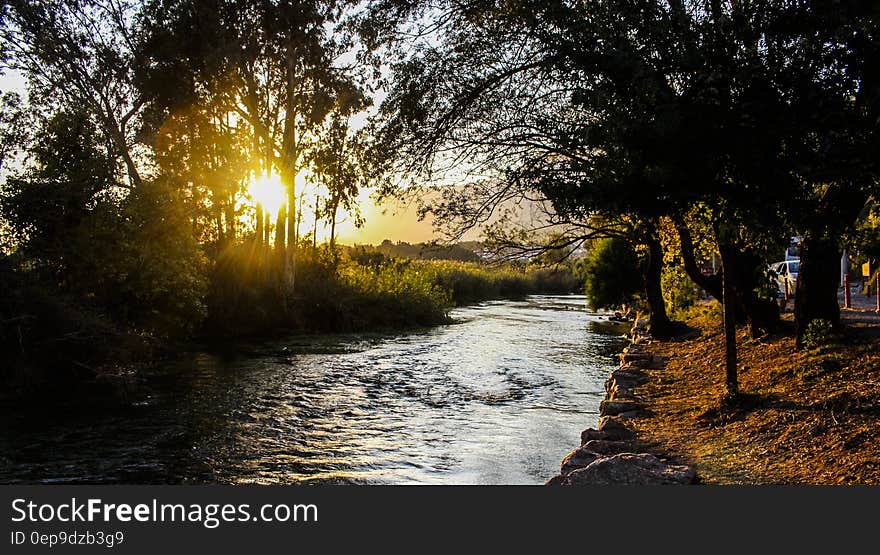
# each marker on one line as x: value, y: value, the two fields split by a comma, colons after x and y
x: 496, y: 398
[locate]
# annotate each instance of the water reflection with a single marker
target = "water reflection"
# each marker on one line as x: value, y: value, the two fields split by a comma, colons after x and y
x: 496, y: 398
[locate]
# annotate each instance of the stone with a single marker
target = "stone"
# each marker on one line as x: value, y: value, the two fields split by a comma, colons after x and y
x: 578, y: 458
x: 610, y: 384
x: 622, y: 384
x: 614, y: 407
x: 606, y: 447
x: 557, y: 480
x: 629, y: 375
x: 631, y: 414
x: 613, y: 429
x: 632, y: 368
x: 590, y: 434
x: 644, y: 358
x: 618, y: 393
x: 633, y: 469
x: 624, y: 380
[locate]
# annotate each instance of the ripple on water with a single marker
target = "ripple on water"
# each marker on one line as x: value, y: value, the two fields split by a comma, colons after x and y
x: 494, y: 398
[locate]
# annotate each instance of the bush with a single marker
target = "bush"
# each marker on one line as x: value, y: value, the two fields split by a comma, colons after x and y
x: 141, y: 263
x: 818, y: 333
x: 130, y: 254
x: 48, y: 336
x: 613, y: 274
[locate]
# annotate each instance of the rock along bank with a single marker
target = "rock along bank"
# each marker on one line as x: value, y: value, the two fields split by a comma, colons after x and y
x: 612, y: 453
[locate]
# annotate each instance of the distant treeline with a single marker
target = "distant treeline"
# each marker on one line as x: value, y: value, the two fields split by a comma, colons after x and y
x: 465, y: 251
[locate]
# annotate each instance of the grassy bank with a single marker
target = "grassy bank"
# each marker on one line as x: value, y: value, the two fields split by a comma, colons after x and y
x: 342, y: 293
x: 808, y: 417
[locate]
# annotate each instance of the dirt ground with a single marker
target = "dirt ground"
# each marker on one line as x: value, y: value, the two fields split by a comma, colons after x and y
x: 809, y: 417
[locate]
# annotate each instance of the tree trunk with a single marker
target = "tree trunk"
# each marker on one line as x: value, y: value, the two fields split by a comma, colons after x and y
x: 259, y: 230
x: 280, y: 230
x: 218, y: 222
x: 290, y: 156
x: 729, y: 301
x: 315, y: 226
x: 334, y: 208
x: 762, y: 314
x: 711, y: 284
x: 117, y: 136
x: 267, y: 228
x: 292, y: 220
x: 230, y: 220
x: 659, y: 322
x: 819, y: 272
x: 818, y: 280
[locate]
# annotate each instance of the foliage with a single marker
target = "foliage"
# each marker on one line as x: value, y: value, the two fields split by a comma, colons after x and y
x: 865, y: 238
x: 46, y: 204
x: 679, y: 291
x: 703, y: 314
x: 646, y: 110
x: 130, y: 254
x: 49, y: 336
x: 145, y: 265
x: 81, y: 54
x: 818, y: 333
x: 360, y: 292
x: 14, y: 127
x: 613, y: 275
x: 463, y: 252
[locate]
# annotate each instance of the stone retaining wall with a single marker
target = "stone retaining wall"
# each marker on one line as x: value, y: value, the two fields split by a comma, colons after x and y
x: 610, y: 454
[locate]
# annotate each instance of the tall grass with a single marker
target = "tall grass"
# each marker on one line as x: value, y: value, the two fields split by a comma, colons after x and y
x: 333, y: 293
x: 467, y: 282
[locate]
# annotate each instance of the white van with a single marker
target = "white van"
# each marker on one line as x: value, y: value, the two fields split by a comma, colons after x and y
x: 786, y: 273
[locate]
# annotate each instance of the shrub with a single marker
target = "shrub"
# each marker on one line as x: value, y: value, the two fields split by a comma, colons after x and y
x: 818, y: 333
x: 613, y: 275
x: 360, y: 292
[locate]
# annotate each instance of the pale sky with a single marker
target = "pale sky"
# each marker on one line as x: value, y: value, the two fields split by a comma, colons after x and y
x: 392, y: 220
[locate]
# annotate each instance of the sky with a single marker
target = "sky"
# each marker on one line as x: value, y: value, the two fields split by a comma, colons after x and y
x: 392, y: 220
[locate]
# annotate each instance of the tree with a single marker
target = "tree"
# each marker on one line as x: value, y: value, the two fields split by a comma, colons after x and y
x: 643, y: 109
x: 48, y: 203
x: 15, y: 128
x: 206, y: 153
x: 338, y: 163
x: 129, y: 253
x: 272, y: 66
x: 81, y: 54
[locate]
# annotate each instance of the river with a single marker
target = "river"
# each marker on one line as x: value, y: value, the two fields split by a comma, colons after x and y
x: 498, y: 397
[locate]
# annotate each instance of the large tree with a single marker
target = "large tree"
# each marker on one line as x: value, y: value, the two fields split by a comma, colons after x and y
x: 644, y: 108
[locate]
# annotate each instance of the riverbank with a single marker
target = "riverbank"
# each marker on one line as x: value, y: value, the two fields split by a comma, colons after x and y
x: 804, y: 417
x: 808, y: 417
x: 614, y: 453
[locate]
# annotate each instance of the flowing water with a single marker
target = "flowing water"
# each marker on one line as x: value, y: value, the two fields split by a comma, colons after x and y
x: 498, y: 397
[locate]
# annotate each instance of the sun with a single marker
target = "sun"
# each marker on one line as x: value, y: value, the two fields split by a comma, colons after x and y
x: 268, y: 191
